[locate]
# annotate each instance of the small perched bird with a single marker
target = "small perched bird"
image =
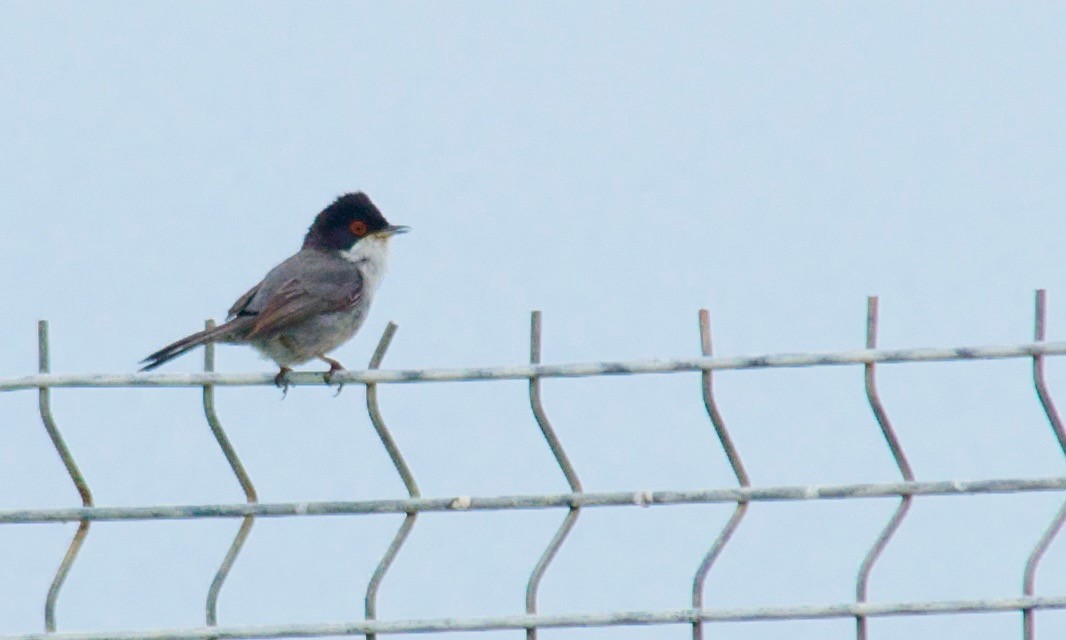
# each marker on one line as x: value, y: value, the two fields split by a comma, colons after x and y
x: 313, y: 302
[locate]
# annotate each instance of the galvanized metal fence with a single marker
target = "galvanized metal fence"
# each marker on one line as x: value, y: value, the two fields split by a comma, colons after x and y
x: 696, y: 614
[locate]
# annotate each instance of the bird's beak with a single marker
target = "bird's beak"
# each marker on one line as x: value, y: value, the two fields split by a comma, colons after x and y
x: 394, y: 229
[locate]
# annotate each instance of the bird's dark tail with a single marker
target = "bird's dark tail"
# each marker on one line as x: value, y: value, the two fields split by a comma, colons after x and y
x: 188, y: 343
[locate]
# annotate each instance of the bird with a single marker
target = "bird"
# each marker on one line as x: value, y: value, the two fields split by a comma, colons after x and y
x: 314, y: 301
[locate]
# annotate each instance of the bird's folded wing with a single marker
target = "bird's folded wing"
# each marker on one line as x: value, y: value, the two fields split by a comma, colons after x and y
x: 240, y: 306
x: 296, y: 301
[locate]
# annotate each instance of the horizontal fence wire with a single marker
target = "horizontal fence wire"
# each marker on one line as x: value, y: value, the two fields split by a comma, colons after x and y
x: 578, y: 620
x: 529, y: 372
x: 643, y: 498
x: 576, y: 499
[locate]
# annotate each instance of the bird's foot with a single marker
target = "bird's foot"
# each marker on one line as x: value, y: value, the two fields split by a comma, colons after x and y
x: 281, y: 381
x: 334, y: 367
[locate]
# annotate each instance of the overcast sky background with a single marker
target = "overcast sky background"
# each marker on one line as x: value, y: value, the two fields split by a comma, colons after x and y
x: 618, y: 166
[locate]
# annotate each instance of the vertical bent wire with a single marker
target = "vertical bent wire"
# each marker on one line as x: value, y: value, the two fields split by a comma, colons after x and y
x: 45, y: 404
x: 563, y: 461
x: 873, y: 397
x: 242, y: 477
x: 1042, y: 393
x: 735, y: 462
x: 401, y: 468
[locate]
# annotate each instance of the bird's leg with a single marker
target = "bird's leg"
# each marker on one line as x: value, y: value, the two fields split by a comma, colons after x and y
x: 334, y: 367
x: 281, y: 381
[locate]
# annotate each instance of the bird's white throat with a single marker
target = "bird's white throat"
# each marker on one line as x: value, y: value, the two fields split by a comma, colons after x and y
x: 371, y: 254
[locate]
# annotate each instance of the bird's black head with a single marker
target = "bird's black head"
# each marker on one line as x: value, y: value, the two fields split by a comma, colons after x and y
x: 348, y: 220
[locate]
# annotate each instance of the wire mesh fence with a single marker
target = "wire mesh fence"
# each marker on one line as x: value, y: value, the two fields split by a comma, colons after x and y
x: 697, y: 613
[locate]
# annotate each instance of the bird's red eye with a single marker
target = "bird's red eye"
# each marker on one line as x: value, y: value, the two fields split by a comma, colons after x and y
x: 358, y: 228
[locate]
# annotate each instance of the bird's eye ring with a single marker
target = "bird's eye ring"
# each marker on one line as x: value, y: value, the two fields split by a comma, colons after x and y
x: 358, y: 228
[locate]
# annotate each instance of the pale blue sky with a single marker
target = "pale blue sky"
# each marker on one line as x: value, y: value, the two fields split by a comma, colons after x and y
x: 618, y: 165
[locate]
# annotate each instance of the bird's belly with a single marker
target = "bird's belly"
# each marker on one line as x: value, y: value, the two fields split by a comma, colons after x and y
x: 315, y: 336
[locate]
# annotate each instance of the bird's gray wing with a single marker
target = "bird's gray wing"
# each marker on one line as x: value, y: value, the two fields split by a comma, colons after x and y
x: 323, y: 290
x: 241, y: 305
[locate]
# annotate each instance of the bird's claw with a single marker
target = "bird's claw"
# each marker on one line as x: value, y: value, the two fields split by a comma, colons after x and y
x: 281, y: 381
x: 328, y: 377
